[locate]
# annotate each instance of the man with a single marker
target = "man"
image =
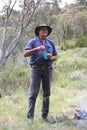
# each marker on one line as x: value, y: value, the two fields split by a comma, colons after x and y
x: 42, y: 53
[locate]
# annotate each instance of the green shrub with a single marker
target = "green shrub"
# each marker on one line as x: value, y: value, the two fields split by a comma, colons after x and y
x: 13, y: 77
x: 69, y: 44
x: 82, y: 42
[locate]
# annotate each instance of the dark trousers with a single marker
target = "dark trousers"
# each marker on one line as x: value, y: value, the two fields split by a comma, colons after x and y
x: 39, y: 74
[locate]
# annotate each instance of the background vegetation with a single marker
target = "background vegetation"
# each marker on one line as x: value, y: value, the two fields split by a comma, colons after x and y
x: 70, y: 70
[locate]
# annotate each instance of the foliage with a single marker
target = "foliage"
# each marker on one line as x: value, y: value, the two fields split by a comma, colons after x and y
x: 71, y: 65
x: 12, y: 79
x: 82, y: 42
x: 13, y: 76
x: 70, y: 44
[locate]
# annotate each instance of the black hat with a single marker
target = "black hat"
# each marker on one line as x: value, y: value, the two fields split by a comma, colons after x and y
x: 40, y: 26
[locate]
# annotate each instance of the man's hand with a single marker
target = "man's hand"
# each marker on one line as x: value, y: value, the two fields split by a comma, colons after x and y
x: 49, y: 56
x: 52, y: 58
x: 40, y: 48
x: 30, y: 52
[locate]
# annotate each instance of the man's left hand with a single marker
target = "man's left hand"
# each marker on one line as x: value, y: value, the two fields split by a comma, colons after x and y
x: 52, y: 58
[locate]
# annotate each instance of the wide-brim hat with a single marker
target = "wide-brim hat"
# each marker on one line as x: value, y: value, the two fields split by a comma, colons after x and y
x: 40, y: 26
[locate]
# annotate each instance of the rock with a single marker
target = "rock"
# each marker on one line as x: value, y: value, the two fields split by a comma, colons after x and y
x: 81, y: 115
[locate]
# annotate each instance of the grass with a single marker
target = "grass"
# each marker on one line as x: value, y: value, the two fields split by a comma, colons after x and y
x: 62, y: 107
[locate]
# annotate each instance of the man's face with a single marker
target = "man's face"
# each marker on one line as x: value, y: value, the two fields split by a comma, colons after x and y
x: 43, y: 32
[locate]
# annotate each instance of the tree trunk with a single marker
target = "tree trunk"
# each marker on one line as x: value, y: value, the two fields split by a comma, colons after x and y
x: 2, y: 61
x: 58, y: 39
x: 12, y: 46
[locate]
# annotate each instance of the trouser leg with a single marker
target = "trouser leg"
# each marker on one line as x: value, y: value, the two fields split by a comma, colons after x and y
x: 45, y: 107
x: 31, y: 107
x: 46, y: 84
x: 33, y: 90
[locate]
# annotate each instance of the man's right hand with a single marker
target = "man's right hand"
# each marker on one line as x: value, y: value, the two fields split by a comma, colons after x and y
x: 30, y: 52
x: 41, y: 48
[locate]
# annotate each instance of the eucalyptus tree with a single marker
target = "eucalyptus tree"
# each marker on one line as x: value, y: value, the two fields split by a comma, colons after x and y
x: 23, y: 19
x: 82, y: 2
x: 55, y: 5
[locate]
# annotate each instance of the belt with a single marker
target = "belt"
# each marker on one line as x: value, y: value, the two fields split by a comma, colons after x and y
x: 42, y: 65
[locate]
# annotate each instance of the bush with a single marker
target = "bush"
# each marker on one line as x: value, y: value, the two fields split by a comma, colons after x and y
x: 82, y: 42
x: 12, y: 78
x: 70, y: 44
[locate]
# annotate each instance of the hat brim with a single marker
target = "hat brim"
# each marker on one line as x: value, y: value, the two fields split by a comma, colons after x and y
x: 39, y: 27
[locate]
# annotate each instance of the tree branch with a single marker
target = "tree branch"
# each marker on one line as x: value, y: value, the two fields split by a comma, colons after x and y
x: 13, y: 45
